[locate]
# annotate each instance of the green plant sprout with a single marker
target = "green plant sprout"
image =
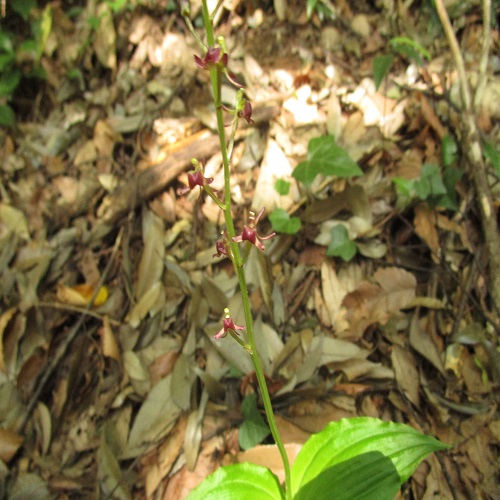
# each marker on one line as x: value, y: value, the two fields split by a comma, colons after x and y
x: 27, y: 48
x: 403, y: 46
x: 434, y: 186
x: 353, y: 458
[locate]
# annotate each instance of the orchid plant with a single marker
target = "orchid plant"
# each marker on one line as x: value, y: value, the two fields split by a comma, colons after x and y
x: 352, y: 458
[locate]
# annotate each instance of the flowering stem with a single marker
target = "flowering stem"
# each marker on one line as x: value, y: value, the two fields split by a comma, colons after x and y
x: 234, y: 251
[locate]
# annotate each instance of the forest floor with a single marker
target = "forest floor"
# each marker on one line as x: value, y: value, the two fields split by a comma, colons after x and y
x: 133, y: 398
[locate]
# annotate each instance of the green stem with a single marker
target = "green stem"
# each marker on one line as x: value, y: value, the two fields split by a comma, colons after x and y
x: 215, y: 77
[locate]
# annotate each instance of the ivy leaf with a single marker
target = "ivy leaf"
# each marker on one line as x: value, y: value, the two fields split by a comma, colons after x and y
x: 430, y: 182
x: 327, y: 158
x: 283, y: 223
x: 282, y: 187
x: 254, y: 429
x: 341, y: 245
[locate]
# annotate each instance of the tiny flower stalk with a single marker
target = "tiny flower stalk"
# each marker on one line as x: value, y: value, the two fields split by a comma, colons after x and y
x: 214, y: 60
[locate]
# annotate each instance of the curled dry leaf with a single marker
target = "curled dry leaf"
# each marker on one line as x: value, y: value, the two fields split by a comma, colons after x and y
x: 80, y: 295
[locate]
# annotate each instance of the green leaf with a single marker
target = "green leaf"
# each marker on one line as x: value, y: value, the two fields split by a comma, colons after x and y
x: 6, y: 42
x: 7, y: 116
x: 6, y: 60
x: 341, y: 245
x: 430, y: 182
x: 23, y: 7
x: 282, y: 187
x: 405, y: 187
x: 448, y: 150
x: 381, y: 65
x: 9, y: 82
x: 494, y: 156
x: 410, y: 48
x: 117, y: 5
x: 239, y: 482
x: 327, y: 158
x: 349, y: 438
x: 94, y: 22
x: 283, y: 223
x: 451, y: 176
x: 310, y: 6
x: 382, y: 483
x: 254, y: 429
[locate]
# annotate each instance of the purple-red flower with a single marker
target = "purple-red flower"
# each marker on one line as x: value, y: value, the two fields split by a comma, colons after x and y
x: 246, y: 113
x: 195, y: 178
x: 214, y: 57
x: 250, y: 234
x: 221, y: 249
x: 228, y: 325
x: 211, y: 58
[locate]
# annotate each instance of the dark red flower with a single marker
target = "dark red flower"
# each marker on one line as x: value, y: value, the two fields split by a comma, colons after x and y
x: 246, y: 113
x: 250, y: 234
x: 221, y: 247
x: 195, y: 178
x: 211, y: 58
x: 228, y: 324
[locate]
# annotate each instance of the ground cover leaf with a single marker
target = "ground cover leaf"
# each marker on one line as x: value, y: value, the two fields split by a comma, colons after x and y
x: 351, y: 440
x: 325, y: 157
x: 239, y: 482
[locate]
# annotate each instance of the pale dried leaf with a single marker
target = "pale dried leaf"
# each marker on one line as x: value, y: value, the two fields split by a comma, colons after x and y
x: 44, y: 427
x: 153, y: 255
x: 406, y: 373
x: 334, y: 292
x: 29, y: 485
x: 134, y: 367
x: 148, y: 303
x: 182, y: 380
x: 155, y: 418
x: 15, y: 220
x: 275, y: 165
x: 104, y: 40
x: 109, y: 344
x: 110, y: 477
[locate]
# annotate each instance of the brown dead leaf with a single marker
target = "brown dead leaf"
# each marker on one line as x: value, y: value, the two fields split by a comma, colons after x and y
x: 9, y: 444
x: 375, y: 303
x: 431, y: 117
x: 4, y: 321
x: 425, y: 226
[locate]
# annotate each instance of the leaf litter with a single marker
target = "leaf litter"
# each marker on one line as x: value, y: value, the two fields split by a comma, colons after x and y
x: 144, y: 401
